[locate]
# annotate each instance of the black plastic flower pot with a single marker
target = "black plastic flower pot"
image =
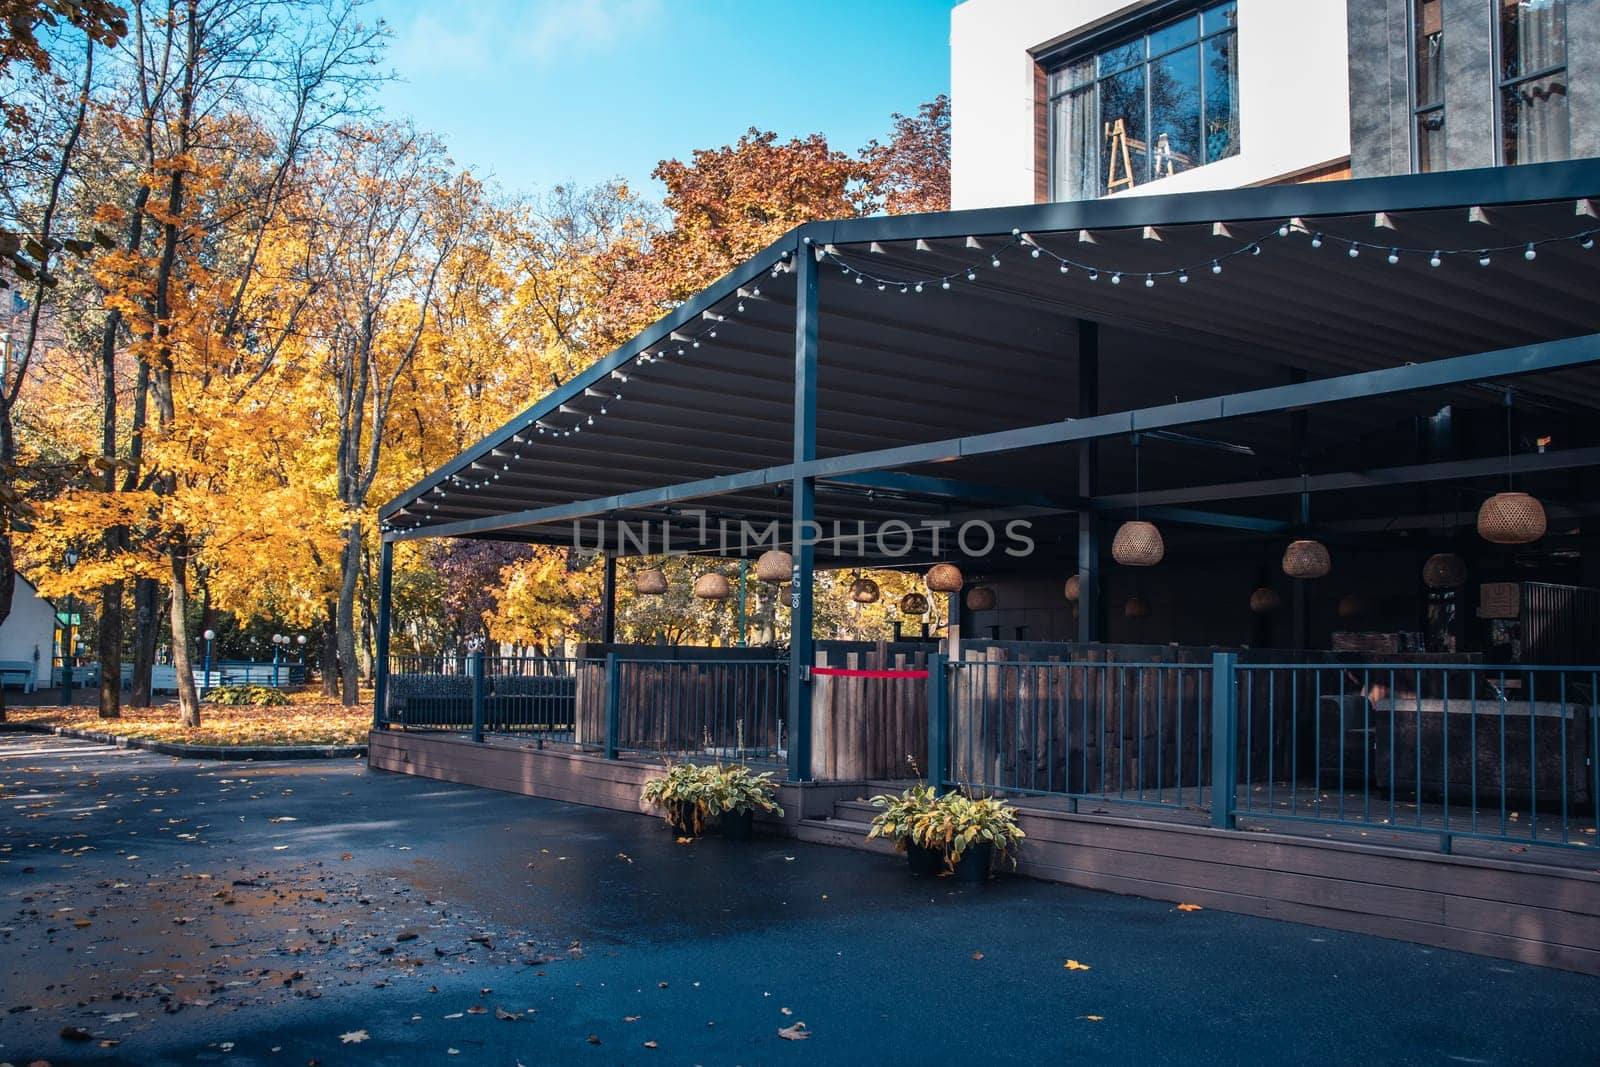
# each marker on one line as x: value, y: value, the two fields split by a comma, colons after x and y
x: 739, y: 825
x: 973, y: 866
x: 924, y: 862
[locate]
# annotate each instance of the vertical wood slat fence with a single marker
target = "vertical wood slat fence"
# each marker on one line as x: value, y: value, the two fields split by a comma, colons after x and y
x: 866, y: 728
x: 1093, y: 724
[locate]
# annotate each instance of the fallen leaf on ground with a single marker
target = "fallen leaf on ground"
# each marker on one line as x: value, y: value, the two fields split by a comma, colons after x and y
x: 1189, y: 907
x: 786, y: 1011
x: 477, y: 1009
x: 594, y: 1039
x: 354, y: 1037
x: 507, y: 1016
x: 1092, y: 1018
x: 624, y: 856
x: 977, y: 955
x: 650, y: 1044
x: 1074, y: 965
x: 630, y: 1018
x: 685, y: 840
x: 797, y: 1032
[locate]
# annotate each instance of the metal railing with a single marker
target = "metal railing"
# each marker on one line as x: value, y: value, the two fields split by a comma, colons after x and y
x: 710, y: 709
x: 1137, y: 733
x: 1447, y: 750
x: 1452, y: 750
x: 729, y: 710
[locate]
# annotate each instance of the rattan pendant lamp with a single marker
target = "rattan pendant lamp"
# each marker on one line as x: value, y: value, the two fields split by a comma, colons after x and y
x: 774, y: 567
x: 1511, y: 517
x: 864, y: 590
x: 1137, y: 543
x: 650, y: 581
x: 1306, y: 558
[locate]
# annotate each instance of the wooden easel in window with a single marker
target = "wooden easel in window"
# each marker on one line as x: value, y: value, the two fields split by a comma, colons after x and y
x: 1117, y: 132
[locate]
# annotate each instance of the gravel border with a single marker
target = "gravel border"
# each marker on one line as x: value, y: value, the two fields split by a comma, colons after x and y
x: 210, y: 752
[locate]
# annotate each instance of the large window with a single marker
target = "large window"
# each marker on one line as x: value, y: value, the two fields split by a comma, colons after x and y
x: 1531, y: 49
x: 1161, y: 103
x: 1427, y: 83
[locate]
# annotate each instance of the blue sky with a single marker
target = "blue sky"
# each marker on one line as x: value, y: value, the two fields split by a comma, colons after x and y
x: 543, y: 91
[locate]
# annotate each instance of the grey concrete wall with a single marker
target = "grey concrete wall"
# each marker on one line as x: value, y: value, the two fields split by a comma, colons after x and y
x: 1380, y: 88
x: 1583, y: 67
x: 1470, y: 96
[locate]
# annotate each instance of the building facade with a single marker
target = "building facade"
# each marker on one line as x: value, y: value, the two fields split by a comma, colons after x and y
x: 1455, y: 84
x: 1054, y: 101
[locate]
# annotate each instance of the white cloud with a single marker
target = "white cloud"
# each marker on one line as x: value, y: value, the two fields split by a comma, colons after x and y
x: 482, y: 34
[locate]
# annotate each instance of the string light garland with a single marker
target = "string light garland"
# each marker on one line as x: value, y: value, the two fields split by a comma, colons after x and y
x: 680, y: 343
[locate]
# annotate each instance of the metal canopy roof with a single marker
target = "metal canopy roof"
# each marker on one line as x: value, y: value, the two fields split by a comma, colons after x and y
x: 698, y: 411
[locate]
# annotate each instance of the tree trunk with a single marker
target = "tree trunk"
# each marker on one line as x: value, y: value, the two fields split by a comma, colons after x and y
x: 146, y: 609
x: 188, y: 702
x: 110, y: 642
x: 8, y: 585
x: 330, y: 651
x: 349, y: 571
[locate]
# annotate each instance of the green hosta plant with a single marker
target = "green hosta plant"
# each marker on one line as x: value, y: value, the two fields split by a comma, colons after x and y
x: 734, y: 788
x: 948, y: 825
x: 896, y: 821
x: 686, y: 794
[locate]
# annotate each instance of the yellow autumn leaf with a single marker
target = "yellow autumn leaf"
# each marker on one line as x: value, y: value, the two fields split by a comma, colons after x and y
x: 1074, y: 965
x: 1189, y: 907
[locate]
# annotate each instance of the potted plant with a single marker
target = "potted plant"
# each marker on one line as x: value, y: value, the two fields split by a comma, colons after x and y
x: 896, y: 822
x: 969, y: 832
x: 737, y: 794
x: 953, y: 833
x: 684, y: 796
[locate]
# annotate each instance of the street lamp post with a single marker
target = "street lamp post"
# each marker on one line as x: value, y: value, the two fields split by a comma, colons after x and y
x: 278, y: 641
x: 300, y: 639
x: 71, y: 558
x: 205, y: 684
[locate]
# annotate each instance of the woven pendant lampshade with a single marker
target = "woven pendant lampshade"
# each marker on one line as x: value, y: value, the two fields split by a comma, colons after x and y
x: 1138, y: 544
x: 980, y: 598
x: 913, y: 604
x: 944, y: 578
x: 712, y: 586
x: 650, y: 582
x: 775, y: 566
x: 1306, y: 559
x: 1264, y: 600
x: 1136, y: 607
x: 1074, y: 589
x: 864, y: 591
x: 1444, y: 570
x: 1351, y: 606
x: 1511, y: 519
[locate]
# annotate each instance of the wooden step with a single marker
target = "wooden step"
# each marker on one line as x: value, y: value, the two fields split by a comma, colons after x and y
x: 841, y: 833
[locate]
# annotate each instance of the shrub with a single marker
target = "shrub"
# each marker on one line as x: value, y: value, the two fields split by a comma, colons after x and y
x: 260, y: 696
x: 948, y: 825
x: 733, y: 788
x: 684, y: 796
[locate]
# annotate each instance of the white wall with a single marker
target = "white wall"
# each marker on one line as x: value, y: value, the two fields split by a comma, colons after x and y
x: 30, y: 626
x: 1294, y: 99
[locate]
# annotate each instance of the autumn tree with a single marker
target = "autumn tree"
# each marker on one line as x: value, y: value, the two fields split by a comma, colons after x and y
x: 912, y: 172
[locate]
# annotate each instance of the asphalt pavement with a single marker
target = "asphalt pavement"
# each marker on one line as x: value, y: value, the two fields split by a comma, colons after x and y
x: 164, y: 911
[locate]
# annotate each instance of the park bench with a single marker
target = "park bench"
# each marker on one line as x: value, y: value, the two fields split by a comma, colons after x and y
x: 17, y: 672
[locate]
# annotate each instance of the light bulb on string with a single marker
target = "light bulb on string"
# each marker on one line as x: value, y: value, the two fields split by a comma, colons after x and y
x: 1316, y: 240
x: 859, y: 279
x: 1355, y: 250
x: 1035, y: 253
x: 1435, y: 260
x: 1255, y: 250
x: 1064, y: 268
x: 972, y: 275
x: 1183, y: 277
x: 1216, y: 268
x: 1531, y: 253
x: 1094, y: 275
x: 1483, y: 258
x: 945, y: 284
x: 1394, y: 256
x: 919, y: 287
x: 1116, y: 279
x: 995, y: 262
x: 1283, y: 231
x: 1149, y: 281
x: 1588, y: 242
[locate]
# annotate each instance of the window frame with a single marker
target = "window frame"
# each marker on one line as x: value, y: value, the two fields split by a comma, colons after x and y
x: 1503, y: 85
x: 1090, y: 47
x: 1418, y: 109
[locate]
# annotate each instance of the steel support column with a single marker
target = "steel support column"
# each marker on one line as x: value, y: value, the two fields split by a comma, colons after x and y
x: 803, y: 503
x: 380, y: 686
x: 608, y: 601
x: 1089, y: 625
x: 1300, y: 601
